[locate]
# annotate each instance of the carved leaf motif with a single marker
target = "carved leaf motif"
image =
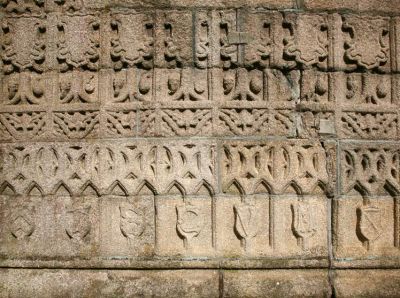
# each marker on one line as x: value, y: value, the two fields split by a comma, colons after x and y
x: 303, y: 220
x: 132, y: 221
x: 367, y: 45
x: 21, y: 223
x: 308, y: 43
x: 246, y: 220
x: 190, y: 221
x: 370, y: 222
x: 78, y: 224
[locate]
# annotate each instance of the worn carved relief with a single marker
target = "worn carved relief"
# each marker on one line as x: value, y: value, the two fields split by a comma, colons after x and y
x: 307, y: 43
x: 23, y: 44
x: 217, y: 138
x: 78, y: 43
x: 367, y: 44
x: 132, y: 41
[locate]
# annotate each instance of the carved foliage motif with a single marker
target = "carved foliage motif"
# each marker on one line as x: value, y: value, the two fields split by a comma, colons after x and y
x: 228, y: 51
x: 129, y: 86
x: 78, y: 43
x: 367, y: 44
x: 186, y: 122
x: 78, y: 87
x: 183, y: 85
x: 23, y: 44
x: 132, y: 41
x: 243, y: 85
x: 255, y: 122
x: 369, y: 125
x: 202, y: 49
x: 245, y: 166
x: 258, y: 50
x: 372, y: 169
x: 308, y: 40
x: 24, y: 126
x: 24, y: 88
x: 76, y: 125
x: 23, y: 6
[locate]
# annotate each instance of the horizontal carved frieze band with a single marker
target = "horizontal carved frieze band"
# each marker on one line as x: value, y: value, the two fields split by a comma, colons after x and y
x: 201, y: 38
x: 198, y: 102
x: 123, y: 168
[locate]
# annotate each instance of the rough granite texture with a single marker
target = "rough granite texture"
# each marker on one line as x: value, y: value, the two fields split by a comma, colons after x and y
x: 182, y: 148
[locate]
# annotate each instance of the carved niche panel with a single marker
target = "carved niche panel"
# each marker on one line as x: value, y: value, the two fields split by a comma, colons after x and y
x: 78, y: 42
x: 174, y: 39
x: 132, y: 40
x: 23, y: 43
x: 307, y: 42
x: 366, y: 42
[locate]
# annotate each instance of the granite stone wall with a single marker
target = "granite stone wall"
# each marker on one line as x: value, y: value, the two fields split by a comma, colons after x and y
x: 182, y: 148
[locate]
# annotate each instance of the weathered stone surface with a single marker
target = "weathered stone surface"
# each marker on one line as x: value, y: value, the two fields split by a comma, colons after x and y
x: 276, y: 283
x: 222, y: 135
x: 107, y: 283
x: 374, y: 6
x: 366, y: 283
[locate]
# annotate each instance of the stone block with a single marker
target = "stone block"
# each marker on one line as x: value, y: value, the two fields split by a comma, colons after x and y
x: 108, y: 283
x: 276, y: 283
x: 372, y: 6
x: 366, y: 283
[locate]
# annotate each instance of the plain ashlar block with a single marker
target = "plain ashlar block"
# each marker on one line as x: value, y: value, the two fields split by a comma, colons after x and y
x: 366, y: 283
x: 108, y: 283
x: 276, y: 283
